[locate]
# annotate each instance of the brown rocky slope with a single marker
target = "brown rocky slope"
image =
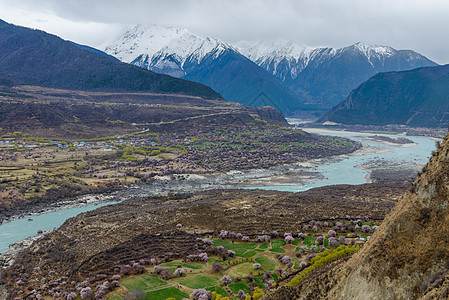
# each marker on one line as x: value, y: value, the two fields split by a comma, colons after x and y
x: 407, y: 257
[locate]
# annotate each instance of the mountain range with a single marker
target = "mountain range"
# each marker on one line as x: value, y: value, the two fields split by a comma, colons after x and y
x: 34, y: 57
x: 179, y: 52
x: 327, y: 75
x: 280, y: 73
x: 418, y: 98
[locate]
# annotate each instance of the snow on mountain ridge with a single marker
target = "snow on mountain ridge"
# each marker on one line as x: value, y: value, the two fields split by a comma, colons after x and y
x: 285, y: 58
x: 277, y: 48
x: 162, y: 48
x: 144, y: 39
x: 271, y: 53
x: 372, y: 50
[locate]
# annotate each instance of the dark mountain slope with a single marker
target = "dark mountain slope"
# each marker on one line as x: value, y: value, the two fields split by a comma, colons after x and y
x: 239, y: 79
x: 418, y: 98
x: 91, y: 49
x: 37, y: 58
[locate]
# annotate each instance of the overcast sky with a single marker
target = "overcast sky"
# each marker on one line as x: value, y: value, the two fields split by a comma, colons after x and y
x: 421, y: 25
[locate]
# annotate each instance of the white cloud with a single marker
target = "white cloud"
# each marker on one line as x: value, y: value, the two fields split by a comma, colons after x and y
x: 420, y: 25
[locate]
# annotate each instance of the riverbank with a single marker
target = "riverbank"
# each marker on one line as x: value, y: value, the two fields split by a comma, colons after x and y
x: 7, y: 257
x: 380, y: 171
x: 46, y: 207
x: 388, y: 129
x: 304, y: 173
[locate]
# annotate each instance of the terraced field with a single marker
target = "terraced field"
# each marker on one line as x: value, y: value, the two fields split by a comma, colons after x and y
x: 241, y: 269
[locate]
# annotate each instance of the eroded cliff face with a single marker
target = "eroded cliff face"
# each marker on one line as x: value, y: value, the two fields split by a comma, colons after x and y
x: 407, y: 257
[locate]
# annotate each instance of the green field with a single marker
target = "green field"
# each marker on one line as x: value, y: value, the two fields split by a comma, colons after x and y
x: 195, y: 266
x: 277, y: 250
x: 240, y: 270
x: 278, y: 243
x: 267, y: 263
x: 143, y: 282
x: 235, y: 245
x: 218, y: 289
x: 309, y: 240
x: 235, y: 287
x: 197, y: 281
x: 263, y: 246
x: 240, y: 249
x: 259, y: 282
x: 163, y: 294
x: 115, y: 297
x: 248, y: 254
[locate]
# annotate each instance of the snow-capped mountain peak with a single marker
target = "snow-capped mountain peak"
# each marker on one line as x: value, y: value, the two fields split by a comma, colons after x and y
x: 164, y: 49
x: 373, y: 50
x: 279, y: 55
x: 146, y: 39
x: 277, y: 48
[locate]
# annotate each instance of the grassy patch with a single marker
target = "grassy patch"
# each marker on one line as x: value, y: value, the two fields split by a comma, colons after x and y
x: 197, y: 281
x: 296, y: 261
x: 241, y: 270
x: 266, y: 263
x: 218, y: 289
x: 296, y: 242
x: 249, y: 254
x: 213, y: 259
x: 193, y: 266
x: 277, y: 243
x: 175, y: 264
x: 259, y: 282
x: 309, y: 240
x: 240, y: 252
x: 143, y: 282
x: 263, y: 246
x: 171, y: 264
x: 277, y: 250
x: 234, y: 246
x: 115, y: 297
x: 235, y: 287
x: 163, y: 294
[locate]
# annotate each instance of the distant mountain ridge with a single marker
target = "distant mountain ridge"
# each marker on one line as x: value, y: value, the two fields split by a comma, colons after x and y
x: 34, y: 57
x: 327, y: 75
x: 418, y: 98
